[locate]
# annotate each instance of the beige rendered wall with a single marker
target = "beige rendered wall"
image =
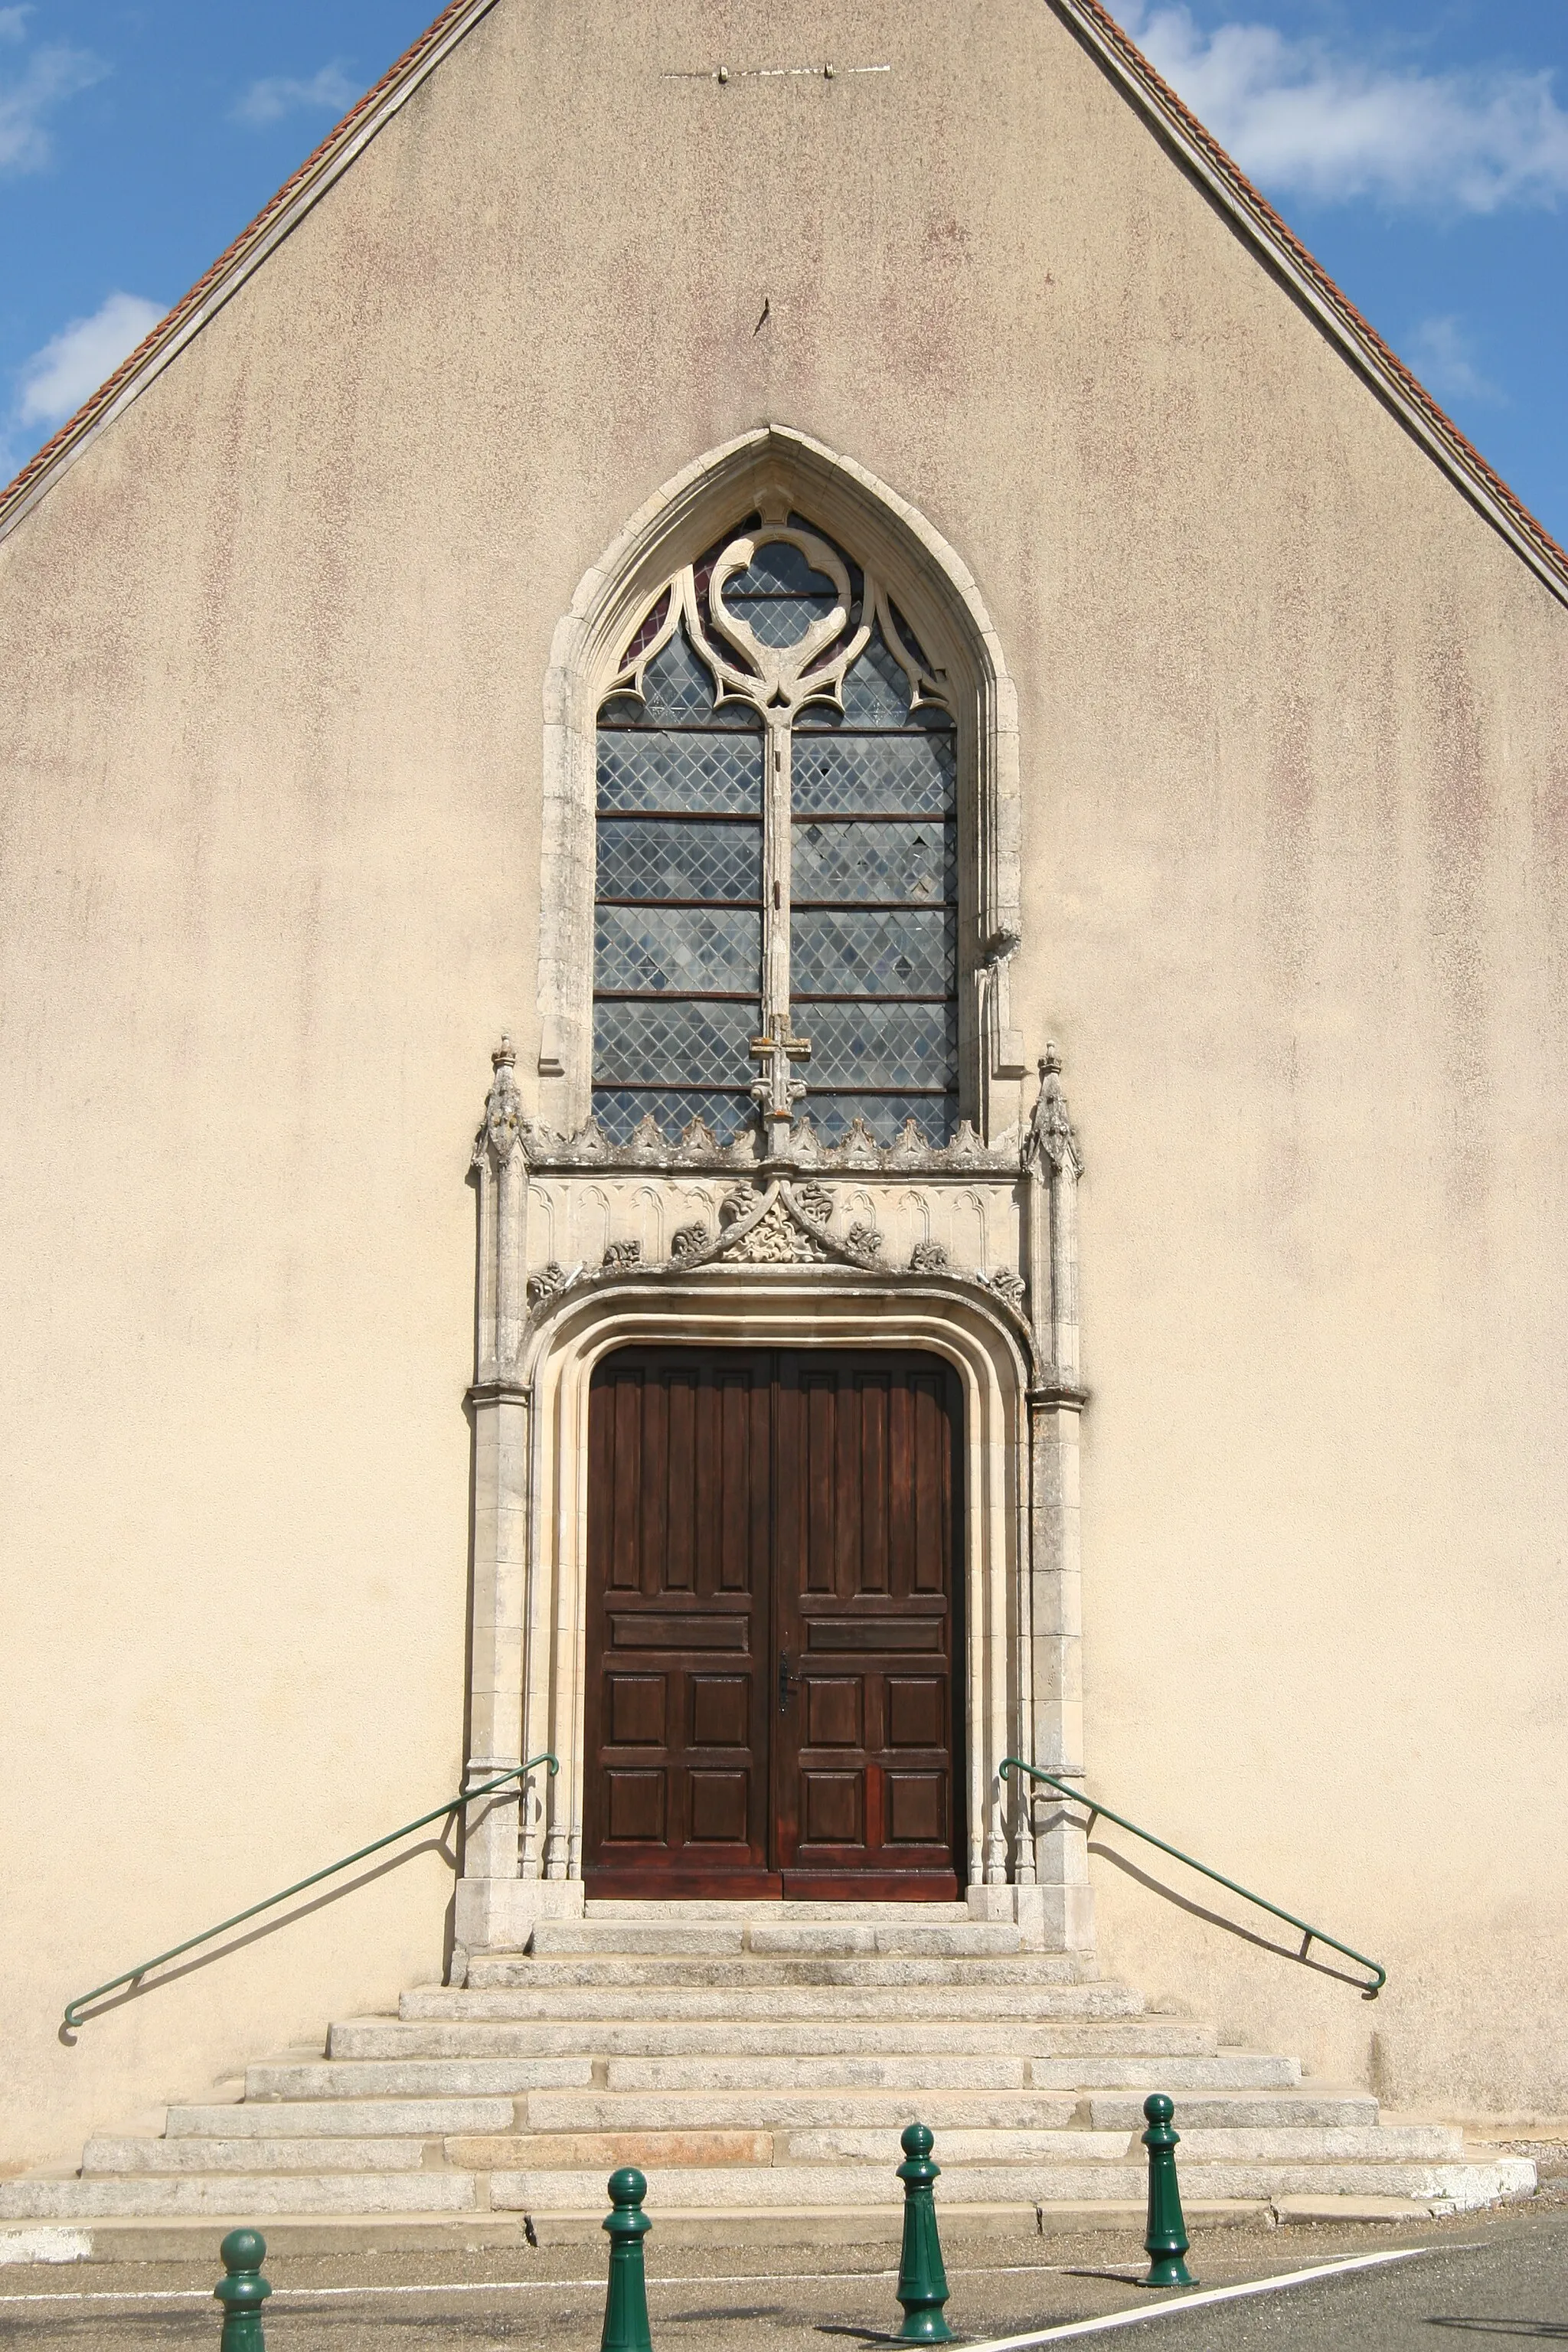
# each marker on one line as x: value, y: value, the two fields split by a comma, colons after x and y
x: 272, y: 655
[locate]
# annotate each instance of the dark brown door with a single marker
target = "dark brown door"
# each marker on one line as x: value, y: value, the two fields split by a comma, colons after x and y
x: 772, y: 1569
x: 863, y: 1552
x: 679, y: 1636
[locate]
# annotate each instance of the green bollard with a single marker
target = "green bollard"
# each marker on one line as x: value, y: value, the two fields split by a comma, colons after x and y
x: 244, y: 2290
x: 922, y: 2281
x: 1167, y: 2240
x: 626, y: 2304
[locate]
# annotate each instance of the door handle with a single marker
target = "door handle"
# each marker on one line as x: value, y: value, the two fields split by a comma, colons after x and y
x: 786, y: 1680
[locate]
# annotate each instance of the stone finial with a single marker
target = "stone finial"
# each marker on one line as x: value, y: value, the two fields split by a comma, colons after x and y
x: 503, y: 1129
x: 1051, y: 1137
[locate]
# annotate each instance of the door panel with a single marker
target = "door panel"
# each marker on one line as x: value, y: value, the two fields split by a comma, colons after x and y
x: 863, y: 1574
x: 679, y: 1634
x: 771, y: 1625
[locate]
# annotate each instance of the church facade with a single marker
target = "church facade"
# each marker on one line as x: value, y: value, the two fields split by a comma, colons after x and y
x: 839, y: 639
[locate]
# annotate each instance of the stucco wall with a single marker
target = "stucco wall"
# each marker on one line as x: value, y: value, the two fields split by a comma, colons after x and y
x: 1295, y: 847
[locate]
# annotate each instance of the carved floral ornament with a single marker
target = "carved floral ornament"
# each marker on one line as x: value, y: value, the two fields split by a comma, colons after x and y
x: 778, y: 1223
x: 776, y: 1218
x: 1051, y: 1141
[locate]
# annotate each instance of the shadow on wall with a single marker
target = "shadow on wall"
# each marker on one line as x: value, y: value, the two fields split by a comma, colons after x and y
x: 1196, y: 1910
x: 141, y: 1982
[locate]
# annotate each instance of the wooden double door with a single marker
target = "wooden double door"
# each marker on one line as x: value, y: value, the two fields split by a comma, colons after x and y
x: 774, y: 1644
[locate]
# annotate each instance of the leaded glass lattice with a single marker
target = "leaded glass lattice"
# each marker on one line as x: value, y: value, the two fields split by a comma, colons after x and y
x: 738, y: 917
x: 620, y: 1110
x: 903, y: 952
x: 682, y: 1041
x: 833, y: 1112
x: 842, y: 859
x: 838, y: 775
x: 657, y: 950
x: 678, y: 769
x: 655, y: 858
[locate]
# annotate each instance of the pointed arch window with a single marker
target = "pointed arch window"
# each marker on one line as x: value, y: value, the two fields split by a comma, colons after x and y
x: 777, y: 901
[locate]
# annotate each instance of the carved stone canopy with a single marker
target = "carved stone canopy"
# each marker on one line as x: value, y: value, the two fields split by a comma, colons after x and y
x: 563, y: 1214
x: 778, y: 1221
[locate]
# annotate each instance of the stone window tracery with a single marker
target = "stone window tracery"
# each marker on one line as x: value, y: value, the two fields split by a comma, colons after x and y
x: 776, y: 900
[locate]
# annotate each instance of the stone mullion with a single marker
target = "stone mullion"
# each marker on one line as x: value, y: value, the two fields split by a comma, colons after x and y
x: 776, y: 877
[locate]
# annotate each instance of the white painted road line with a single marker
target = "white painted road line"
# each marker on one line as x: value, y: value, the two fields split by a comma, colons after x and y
x: 1163, y: 2309
x: 1141, y: 2311
x: 447, y: 2286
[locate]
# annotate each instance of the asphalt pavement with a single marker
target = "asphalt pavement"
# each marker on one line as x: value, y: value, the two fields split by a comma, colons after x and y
x: 1498, y: 2278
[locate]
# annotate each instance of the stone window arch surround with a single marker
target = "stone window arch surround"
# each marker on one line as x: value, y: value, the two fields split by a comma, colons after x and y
x: 935, y: 589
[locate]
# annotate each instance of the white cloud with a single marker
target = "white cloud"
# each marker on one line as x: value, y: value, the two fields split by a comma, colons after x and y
x: 1443, y: 356
x: 327, y: 92
x: 73, y: 363
x: 1297, y: 115
x: 49, y: 76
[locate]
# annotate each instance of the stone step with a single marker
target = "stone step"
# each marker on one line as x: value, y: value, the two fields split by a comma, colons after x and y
x: 189, y: 2154
x: 1314, y: 2107
x: 655, y: 2037
x: 1354, y: 2143
x: 412, y: 2078
x: 1436, y: 2143
x: 36, y: 2199
x: 688, y: 1940
x: 706, y: 1913
x: 634, y: 1979
x: 1227, y: 2070
x: 523, y: 2151
x: 889, y: 2004
x: 540, y: 2189
x: 783, y: 1939
x: 917, y: 2073
x: 336, y: 2118
x: 692, y: 2111
x: 1041, y: 2138
x: 845, y: 2145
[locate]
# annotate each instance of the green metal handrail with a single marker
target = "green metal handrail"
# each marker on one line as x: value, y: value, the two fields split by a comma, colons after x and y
x: 73, y: 2017
x: 1310, y: 1935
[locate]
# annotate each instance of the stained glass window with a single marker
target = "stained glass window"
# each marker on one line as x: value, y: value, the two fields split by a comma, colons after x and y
x: 777, y: 895
x: 677, y: 919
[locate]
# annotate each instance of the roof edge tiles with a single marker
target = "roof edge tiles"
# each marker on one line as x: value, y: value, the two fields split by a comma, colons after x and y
x: 1119, y: 56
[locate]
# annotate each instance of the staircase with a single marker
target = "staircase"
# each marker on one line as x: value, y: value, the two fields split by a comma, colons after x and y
x: 755, y: 2060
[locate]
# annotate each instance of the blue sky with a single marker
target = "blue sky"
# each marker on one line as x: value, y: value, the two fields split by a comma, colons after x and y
x: 1419, y: 147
